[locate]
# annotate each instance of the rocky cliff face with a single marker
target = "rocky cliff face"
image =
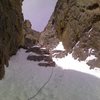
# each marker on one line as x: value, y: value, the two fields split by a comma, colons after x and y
x: 48, y: 37
x: 31, y: 36
x: 77, y: 23
x: 11, y: 20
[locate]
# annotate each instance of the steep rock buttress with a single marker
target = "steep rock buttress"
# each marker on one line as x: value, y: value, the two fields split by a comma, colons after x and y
x: 11, y: 20
x: 77, y: 24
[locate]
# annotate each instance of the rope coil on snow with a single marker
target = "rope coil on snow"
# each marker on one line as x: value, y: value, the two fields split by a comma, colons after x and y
x: 42, y: 86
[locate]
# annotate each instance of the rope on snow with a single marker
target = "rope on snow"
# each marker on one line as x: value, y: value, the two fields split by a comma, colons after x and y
x: 42, y: 86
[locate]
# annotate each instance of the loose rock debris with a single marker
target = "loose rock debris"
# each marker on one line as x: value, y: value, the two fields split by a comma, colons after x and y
x: 44, y: 55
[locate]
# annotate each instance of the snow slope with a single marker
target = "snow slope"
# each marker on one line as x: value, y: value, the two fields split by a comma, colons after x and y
x: 24, y: 78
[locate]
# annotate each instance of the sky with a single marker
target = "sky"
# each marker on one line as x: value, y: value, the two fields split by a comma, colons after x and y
x: 38, y: 12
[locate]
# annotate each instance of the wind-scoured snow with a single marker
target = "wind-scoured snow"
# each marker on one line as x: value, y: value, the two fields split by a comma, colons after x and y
x: 71, y: 80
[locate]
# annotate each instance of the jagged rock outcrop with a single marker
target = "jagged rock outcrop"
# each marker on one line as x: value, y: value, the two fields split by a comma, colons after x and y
x: 77, y: 23
x: 31, y: 36
x: 48, y: 37
x: 11, y: 20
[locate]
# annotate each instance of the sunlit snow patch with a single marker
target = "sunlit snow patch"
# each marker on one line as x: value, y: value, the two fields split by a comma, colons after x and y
x: 91, y: 50
x: 91, y: 57
x: 68, y: 62
x: 59, y: 47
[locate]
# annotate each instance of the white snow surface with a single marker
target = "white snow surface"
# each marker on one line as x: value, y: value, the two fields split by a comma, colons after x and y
x: 59, y: 47
x: 71, y: 80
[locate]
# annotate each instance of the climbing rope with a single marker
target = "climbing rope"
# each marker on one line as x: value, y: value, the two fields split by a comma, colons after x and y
x: 42, y: 86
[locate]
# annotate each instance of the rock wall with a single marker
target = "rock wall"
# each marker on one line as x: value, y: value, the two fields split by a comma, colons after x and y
x: 77, y: 23
x: 31, y: 36
x: 48, y: 37
x: 11, y: 20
